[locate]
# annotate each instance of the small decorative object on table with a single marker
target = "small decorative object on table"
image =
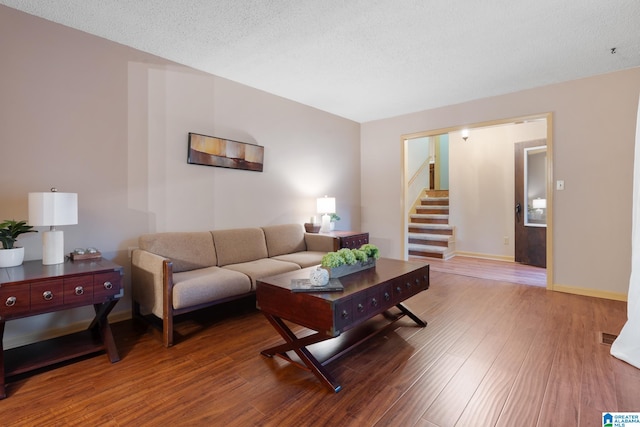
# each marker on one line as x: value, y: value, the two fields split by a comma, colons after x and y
x: 305, y: 285
x: 84, y: 254
x: 348, y: 261
x: 319, y: 277
x: 318, y: 281
x: 311, y: 228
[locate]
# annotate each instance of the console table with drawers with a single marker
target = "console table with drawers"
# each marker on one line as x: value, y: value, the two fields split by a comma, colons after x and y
x: 33, y: 288
x: 349, y: 239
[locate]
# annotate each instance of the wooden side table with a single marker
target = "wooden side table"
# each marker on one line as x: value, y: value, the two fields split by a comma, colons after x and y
x: 349, y: 239
x: 32, y: 288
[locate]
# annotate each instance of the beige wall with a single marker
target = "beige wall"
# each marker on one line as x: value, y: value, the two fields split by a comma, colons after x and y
x: 110, y: 123
x: 594, y: 123
x: 482, y: 190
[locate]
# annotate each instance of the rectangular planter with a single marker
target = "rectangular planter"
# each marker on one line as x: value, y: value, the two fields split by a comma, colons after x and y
x: 344, y: 270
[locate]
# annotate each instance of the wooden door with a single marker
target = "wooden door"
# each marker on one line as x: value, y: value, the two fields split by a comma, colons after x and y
x: 530, y: 241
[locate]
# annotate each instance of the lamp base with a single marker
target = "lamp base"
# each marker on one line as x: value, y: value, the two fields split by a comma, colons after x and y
x: 52, y: 247
x: 326, y: 224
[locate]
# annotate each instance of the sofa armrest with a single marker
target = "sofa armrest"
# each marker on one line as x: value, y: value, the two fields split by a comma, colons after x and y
x: 320, y: 242
x: 148, y: 280
x: 152, y: 283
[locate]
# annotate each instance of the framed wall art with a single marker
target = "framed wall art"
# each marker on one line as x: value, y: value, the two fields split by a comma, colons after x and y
x: 224, y: 153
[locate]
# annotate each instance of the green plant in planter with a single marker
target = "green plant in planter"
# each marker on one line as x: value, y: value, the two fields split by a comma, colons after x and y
x: 360, y: 255
x: 10, y: 230
x: 372, y: 251
x: 347, y: 256
x: 334, y: 217
x: 332, y: 260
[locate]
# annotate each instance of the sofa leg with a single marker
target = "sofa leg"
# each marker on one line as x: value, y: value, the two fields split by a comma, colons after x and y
x: 137, y: 317
x: 167, y: 330
x: 135, y: 309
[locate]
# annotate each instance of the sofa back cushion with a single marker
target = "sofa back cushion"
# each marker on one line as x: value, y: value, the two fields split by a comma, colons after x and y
x: 239, y: 245
x: 284, y: 239
x: 187, y: 250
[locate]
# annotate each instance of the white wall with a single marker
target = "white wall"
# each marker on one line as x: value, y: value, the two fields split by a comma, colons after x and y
x: 443, y: 141
x: 417, y: 153
x: 110, y: 123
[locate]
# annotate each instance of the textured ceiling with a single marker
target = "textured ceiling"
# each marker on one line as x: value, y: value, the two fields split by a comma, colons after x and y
x: 370, y: 59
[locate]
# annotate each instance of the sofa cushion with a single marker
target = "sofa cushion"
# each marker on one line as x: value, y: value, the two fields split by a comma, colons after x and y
x: 187, y: 250
x: 239, y: 245
x: 284, y: 239
x: 303, y: 259
x: 262, y: 268
x: 207, y: 284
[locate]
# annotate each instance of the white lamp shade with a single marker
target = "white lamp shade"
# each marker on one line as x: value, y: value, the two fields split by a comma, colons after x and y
x: 53, y: 209
x: 539, y: 203
x: 326, y: 205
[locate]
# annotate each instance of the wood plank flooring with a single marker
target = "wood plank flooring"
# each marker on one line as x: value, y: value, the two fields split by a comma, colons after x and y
x: 494, y: 354
x: 489, y: 269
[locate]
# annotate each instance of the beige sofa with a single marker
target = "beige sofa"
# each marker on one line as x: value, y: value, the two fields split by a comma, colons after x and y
x: 178, y: 272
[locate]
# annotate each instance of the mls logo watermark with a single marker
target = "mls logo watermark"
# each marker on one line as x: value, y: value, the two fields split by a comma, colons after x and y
x: 621, y: 419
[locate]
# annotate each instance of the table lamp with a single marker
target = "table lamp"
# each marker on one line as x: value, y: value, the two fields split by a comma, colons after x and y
x: 539, y: 203
x: 326, y: 206
x: 53, y: 209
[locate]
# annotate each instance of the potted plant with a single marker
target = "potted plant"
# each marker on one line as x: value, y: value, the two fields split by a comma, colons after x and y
x: 333, y: 218
x: 347, y: 261
x: 10, y: 256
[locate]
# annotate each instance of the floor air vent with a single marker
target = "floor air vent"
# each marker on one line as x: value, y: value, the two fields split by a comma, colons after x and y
x: 607, y: 339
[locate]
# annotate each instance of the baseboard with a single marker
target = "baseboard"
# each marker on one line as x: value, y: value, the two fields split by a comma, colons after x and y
x: 590, y: 292
x: 485, y: 256
x: 42, y: 335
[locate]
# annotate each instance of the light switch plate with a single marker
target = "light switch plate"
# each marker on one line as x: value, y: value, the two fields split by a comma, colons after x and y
x: 560, y: 184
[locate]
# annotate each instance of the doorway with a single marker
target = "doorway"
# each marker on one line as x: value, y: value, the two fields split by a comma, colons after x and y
x: 482, y: 202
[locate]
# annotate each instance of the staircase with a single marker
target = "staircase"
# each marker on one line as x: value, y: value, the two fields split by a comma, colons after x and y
x: 430, y: 234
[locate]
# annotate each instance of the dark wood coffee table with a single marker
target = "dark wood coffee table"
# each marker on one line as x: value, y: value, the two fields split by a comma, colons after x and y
x: 366, y: 294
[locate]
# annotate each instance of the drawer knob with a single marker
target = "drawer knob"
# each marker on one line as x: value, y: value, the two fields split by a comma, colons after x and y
x: 47, y: 295
x: 79, y: 290
x: 374, y: 302
x: 108, y: 285
x: 360, y: 308
x: 387, y: 297
x: 10, y: 302
x: 345, y: 314
x: 408, y: 285
x: 398, y: 289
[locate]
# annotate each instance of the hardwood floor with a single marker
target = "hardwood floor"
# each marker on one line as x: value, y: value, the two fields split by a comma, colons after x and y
x: 494, y: 354
x: 489, y: 269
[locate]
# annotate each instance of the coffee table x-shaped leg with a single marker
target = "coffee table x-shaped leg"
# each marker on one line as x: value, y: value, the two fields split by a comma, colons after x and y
x: 309, y: 361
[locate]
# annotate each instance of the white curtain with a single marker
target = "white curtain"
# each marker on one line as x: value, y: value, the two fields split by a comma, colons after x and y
x: 627, y: 346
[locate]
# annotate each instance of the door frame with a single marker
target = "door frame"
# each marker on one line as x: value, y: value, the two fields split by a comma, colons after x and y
x: 513, y: 120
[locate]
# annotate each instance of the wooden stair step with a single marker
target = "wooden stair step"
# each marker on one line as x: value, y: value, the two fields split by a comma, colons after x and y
x: 432, y: 209
x: 434, y: 201
x: 430, y: 251
x: 437, y: 193
x: 429, y: 218
x: 431, y: 228
x: 442, y: 240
